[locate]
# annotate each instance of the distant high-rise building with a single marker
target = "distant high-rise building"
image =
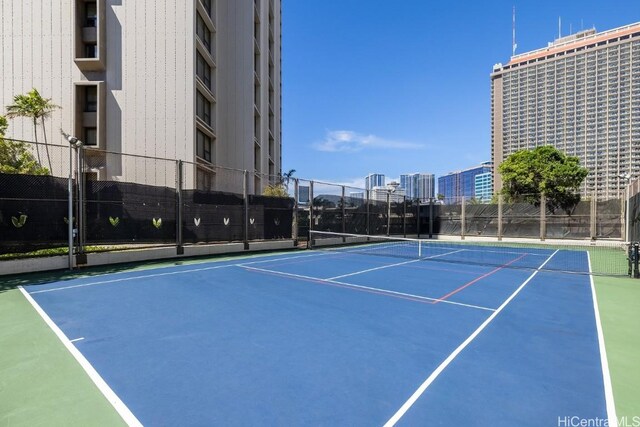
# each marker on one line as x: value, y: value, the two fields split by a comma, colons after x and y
x: 484, y: 186
x: 580, y: 94
x: 394, y: 192
x: 418, y: 185
x: 461, y: 184
x: 374, y: 180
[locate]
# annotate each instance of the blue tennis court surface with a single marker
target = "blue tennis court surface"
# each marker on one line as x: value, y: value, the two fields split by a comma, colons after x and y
x: 341, y: 338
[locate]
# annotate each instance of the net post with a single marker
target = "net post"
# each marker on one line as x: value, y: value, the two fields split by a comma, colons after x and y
x: 419, y: 248
x: 500, y: 203
x: 543, y: 216
x: 180, y: 204
x: 462, y: 218
x: 592, y: 217
x: 245, y: 197
x: 294, y: 225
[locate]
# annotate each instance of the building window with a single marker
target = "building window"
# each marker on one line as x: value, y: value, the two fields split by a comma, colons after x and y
x: 203, y: 146
x: 91, y: 99
x: 203, y: 33
x: 204, y: 180
x: 203, y: 70
x: 91, y: 51
x: 91, y: 176
x: 90, y: 136
x: 203, y: 108
x: 208, y: 6
x: 91, y: 14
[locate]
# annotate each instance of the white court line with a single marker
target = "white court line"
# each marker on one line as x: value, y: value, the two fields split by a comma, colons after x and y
x: 104, y: 388
x: 77, y: 339
x: 392, y: 265
x: 606, y: 376
x: 168, y: 273
x: 416, y: 395
x: 366, y: 288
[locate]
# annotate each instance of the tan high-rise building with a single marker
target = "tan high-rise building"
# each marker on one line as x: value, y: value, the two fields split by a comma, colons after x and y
x: 195, y: 80
x: 580, y: 94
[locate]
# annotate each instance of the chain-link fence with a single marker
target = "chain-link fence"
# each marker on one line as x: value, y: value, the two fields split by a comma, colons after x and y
x: 124, y: 200
x: 132, y: 201
x: 587, y: 219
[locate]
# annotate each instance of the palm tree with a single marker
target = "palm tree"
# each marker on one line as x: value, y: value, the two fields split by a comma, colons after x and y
x: 286, y: 177
x: 34, y: 106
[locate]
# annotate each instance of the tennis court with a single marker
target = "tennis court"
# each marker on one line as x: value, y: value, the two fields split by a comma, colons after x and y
x: 366, y: 333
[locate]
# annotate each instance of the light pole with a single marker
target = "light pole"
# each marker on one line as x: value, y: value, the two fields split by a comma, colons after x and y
x: 74, y: 144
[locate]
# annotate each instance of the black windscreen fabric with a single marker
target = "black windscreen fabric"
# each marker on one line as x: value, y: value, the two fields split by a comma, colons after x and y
x: 120, y: 212
x: 634, y: 218
x: 212, y: 216
x: 573, y: 223
x: 609, y: 219
x: 481, y: 219
x: 273, y: 216
x: 520, y: 220
x: 33, y: 210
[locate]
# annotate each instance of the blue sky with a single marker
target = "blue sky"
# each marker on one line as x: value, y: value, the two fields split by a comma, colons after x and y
x: 403, y: 86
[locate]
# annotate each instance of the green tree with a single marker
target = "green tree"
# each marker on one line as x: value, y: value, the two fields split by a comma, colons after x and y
x: 14, y: 156
x: 440, y: 196
x: 527, y: 174
x: 275, y: 190
x: 32, y: 105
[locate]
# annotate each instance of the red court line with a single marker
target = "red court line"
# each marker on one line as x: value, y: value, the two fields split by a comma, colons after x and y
x: 466, y: 285
x: 424, y: 300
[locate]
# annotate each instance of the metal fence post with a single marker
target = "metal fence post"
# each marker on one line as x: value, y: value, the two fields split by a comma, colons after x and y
x: 431, y: 217
x: 627, y: 213
x: 81, y: 218
x: 500, y: 203
x: 179, y: 207
x: 344, y: 211
x: 70, y: 208
x: 294, y: 225
x: 367, y: 210
x: 245, y: 196
x: 404, y: 216
x: 543, y: 216
x: 388, y: 213
x: 462, y: 218
x: 310, y: 213
x: 593, y: 206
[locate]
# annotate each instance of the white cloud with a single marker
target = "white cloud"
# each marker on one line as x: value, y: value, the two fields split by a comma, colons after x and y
x: 350, y: 141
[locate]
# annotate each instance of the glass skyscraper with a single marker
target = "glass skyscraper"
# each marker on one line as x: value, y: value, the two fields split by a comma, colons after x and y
x: 461, y: 184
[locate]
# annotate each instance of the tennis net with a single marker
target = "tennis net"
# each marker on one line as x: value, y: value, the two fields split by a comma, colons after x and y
x: 602, y: 258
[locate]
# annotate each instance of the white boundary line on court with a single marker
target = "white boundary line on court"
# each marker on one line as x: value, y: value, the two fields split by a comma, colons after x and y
x: 416, y: 395
x: 366, y: 288
x: 104, y: 388
x: 392, y: 265
x: 168, y: 273
x: 606, y: 376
